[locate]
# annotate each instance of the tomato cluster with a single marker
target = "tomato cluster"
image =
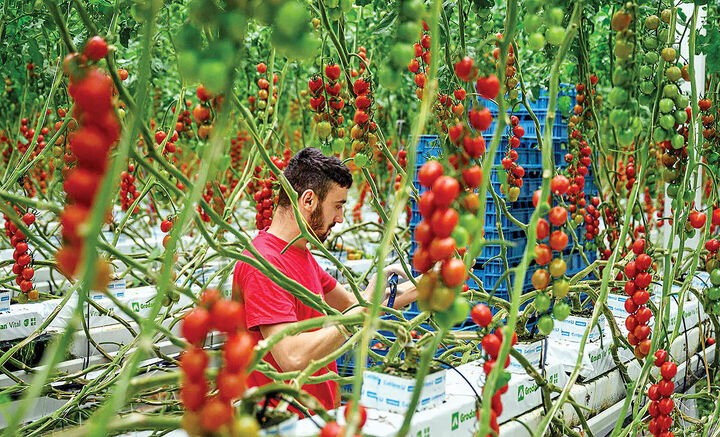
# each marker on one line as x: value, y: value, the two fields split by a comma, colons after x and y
x: 128, y: 190
x: 363, y: 130
x: 264, y: 204
x: 592, y: 221
x: 203, y: 111
x: 421, y: 61
x: 515, y: 171
x: 99, y: 129
x: 328, y: 118
x: 511, y: 81
x: 166, y: 226
x: 557, y: 241
x: 23, y: 260
x: 639, y: 277
x: 205, y: 413
x: 490, y: 344
x: 661, y: 405
x: 711, y: 135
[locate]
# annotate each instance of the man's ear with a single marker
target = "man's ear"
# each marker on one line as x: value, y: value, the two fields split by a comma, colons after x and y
x: 307, y: 200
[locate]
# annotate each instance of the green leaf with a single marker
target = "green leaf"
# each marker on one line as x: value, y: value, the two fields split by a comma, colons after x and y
x: 34, y: 52
x: 503, y: 379
x: 125, y: 36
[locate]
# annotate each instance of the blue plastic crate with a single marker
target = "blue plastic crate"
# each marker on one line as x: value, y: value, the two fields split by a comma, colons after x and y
x: 536, y: 103
x: 428, y: 146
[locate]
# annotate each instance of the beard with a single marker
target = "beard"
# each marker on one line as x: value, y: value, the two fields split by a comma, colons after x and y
x: 317, y: 225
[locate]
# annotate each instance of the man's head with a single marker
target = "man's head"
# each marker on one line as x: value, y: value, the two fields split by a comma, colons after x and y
x: 322, y: 184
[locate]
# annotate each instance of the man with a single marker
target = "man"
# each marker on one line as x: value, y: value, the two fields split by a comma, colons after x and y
x: 322, y: 185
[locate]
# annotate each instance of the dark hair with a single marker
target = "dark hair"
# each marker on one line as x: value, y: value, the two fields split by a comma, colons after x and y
x: 309, y: 169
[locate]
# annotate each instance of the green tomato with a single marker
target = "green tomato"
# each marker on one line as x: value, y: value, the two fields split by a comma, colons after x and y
x: 618, y: 96
x: 401, y: 54
x: 294, y: 19
x: 666, y: 105
x: 408, y: 32
x: 545, y: 324
x: 326, y: 149
x: 678, y: 141
x: 715, y: 277
x: 681, y: 102
x: 652, y: 22
x: 324, y: 129
x: 542, y: 302
x: 650, y: 43
x: 561, y: 311
x: 555, y: 35
x: 673, y: 73
x: 672, y: 190
x: 360, y: 160
x: 338, y: 145
x: 713, y: 293
x: 460, y: 235
x: 619, y: 118
x: 532, y: 24
x: 626, y: 137
x: 468, y: 222
x: 460, y: 310
x: 680, y: 116
x: 389, y: 79
x: 670, y: 90
x: 647, y: 87
x: 667, y: 122
x: 620, y: 76
x: 646, y: 71
x: 554, y: 16
x: 651, y: 58
x: 413, y: 9
x: 536, y: 41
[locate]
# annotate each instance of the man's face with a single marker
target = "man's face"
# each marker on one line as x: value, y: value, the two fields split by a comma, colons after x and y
x: 329, y: 212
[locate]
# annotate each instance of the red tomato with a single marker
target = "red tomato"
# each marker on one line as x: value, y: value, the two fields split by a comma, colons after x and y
x: 216, y: 413
x: 653, y: 393
x: 361, y: 410
x: 195, y: 325
x: 453, y: 272
x: 666, y: 406
x: 481, y: 315
x: 668, y: 370
x: 641, y: 332
x: 422, y: 260
x: 559, y: 185
x: 426, y: 204
x: 429, y: 172
x: 446, y: 189
x: 640, y: 297
x: 543, y: 254
x: 643, y: 262
x: 540, y: 279
x: 630, y: 270
x: 209, y: 297
x: 192, y: 394
x: 472, y: 177
x: 557, y: 215
x: 230, y: 385
x: 491, y: 345
x: 480, y: 120
x: 543, y: 229
x: 96, y: 48
x: 660, y: 357
x: 193, y: 363
x: 488, y: 87
x: 331, y: 429
x: 227, y: 316
x: 639, y: 246
x: 666, y: 387
x: 238, y: 351
x: 443, y: 221
x: 643, y: 279
x: 558, y: 240
x: 423, y: 233
x: 643, y: 315
x: 441, y: 248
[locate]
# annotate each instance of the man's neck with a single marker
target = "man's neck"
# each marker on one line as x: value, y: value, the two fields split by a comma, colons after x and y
x: 285, y: 227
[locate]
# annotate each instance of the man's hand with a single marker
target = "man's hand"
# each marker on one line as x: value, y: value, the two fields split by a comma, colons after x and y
x: 387, y: 272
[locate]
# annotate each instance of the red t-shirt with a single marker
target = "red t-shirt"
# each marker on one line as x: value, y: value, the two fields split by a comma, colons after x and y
x: 266, y: 303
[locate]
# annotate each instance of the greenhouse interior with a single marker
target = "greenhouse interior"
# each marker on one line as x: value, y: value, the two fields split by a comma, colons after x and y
x: 345, y: 218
